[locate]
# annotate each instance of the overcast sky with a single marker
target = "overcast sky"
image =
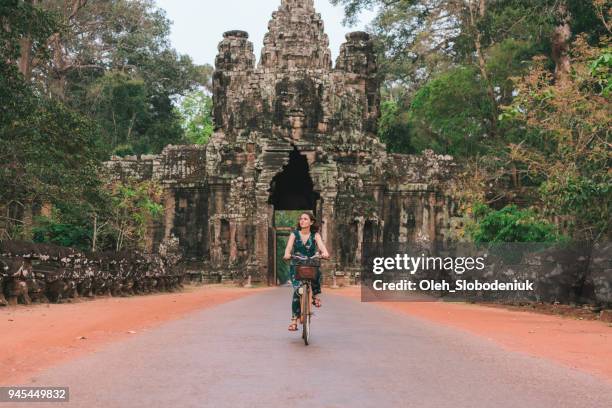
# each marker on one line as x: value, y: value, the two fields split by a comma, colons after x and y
x: 198, y: 25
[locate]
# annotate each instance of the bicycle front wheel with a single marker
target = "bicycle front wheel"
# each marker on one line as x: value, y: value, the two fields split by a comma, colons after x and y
x: 306, y: 299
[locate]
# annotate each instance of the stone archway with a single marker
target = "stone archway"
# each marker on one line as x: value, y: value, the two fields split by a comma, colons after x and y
x: 291, y: 191
x: 293, y: 188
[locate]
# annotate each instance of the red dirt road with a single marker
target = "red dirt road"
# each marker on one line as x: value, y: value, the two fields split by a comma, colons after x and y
x: 40, y: 336
x: 584, y: 345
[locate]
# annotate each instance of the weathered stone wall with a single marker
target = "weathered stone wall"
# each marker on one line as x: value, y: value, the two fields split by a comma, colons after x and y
x: 184, y: 165
x: 42, y: 273
x: 294, y: 108
x: 568, y: 273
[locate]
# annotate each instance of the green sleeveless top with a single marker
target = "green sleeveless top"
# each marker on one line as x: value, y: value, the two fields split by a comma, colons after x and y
x: 308, y: 249
x: 299, y: 248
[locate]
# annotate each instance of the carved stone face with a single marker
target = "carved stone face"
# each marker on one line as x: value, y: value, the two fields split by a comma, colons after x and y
x: 298, y: 104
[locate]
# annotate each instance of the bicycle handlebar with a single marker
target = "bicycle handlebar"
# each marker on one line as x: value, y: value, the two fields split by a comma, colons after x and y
x: 305, y: 257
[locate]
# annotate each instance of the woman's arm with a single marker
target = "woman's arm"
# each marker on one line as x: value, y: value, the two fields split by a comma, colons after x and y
x: 321, y: 246
x: 288, y: 248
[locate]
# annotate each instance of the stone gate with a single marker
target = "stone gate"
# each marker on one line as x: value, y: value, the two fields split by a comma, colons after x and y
x: 294, y: 131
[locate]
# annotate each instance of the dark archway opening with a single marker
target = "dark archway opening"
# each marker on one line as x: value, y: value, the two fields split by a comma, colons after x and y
x: 292, y: 189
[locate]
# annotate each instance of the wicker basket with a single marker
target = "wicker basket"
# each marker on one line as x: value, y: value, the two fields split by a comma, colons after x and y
x: 303, y: 272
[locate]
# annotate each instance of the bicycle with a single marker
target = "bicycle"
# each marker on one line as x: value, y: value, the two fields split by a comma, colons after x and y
x: 305, y: 273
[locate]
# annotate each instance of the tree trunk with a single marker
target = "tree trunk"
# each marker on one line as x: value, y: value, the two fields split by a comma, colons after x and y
x: 482, y: 64
x: 25, y: 59
x: 95, y: 233
x: 560, y: 44
x: 25, y: 48
x: 28, y: 221
x: 58, y: 75
x: 3, y: 222
x: 61, y: 61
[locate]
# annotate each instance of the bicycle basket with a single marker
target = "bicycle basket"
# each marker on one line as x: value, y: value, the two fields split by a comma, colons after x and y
x: 303, y: 272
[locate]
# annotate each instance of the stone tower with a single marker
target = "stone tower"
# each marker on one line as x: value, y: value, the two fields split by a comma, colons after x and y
x: 294, y: 132
x: 296, y: 39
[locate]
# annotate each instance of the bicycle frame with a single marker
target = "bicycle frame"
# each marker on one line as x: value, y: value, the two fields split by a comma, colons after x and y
x: 305, y: 293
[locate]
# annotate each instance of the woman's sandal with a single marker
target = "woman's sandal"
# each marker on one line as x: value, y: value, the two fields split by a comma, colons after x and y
x: 293, y: 326
x: 316, y: 301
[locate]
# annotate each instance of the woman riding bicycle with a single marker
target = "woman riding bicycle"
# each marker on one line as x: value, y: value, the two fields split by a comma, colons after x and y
x: 305, y: 241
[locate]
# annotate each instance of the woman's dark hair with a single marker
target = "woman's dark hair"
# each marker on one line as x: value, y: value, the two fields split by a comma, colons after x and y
x: 314, y: 227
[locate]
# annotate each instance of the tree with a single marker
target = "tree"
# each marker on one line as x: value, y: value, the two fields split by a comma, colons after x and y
x: 420, y: 39
x: 394, y: 128
x: 450, y: 114
x: 18, y: 20
x: 80, y: 80
x: 573, y: 118
x: 459, y: 61
x: 120, y: 103
x: 197, y: 121
x: 106, y: 50
x: 48, y: 152
x: 39, y: 164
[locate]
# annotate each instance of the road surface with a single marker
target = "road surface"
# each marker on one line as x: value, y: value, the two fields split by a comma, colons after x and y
x: 240, y: 354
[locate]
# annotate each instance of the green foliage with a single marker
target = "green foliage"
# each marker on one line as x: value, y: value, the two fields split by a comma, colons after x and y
x: 450, y: 114
x: 507, y: 59
x: 418, y: 39
x: 38, y: 161
x: 73, y: 223
x: 48, y: 152
x: 585, y: 19
x: 196, y: 113
x: 20, y: 19
x: 121, y: 107
x: 135, y: 204
x: 282, y: 267
x: 122, y: 73
x: 510, y: 224
x: 573, y: 122
x: 52, y: 230
x: 120, y: 219
x: 132, y: 121
x: 587, y: 199
x: 394, y: 128
x: 529, y: 22
x: 110, y: 89
x: 601, y: 71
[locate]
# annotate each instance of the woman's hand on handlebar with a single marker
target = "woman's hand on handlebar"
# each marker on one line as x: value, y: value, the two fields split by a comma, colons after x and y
x: 322, y: 256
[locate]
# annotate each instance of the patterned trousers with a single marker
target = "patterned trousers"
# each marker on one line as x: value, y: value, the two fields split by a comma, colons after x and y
x: 295, y: 303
